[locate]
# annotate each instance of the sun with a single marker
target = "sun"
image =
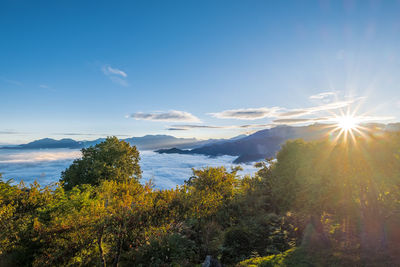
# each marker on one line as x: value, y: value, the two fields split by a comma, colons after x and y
x: 347, y: 126
x: 347, y: 123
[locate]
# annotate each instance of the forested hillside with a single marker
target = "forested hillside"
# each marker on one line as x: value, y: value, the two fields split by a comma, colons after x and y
x: 319, y: 203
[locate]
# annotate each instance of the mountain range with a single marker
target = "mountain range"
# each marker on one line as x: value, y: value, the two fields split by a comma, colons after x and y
x: 147, y: 142
x: 247, y: 148
x: 266, y: 143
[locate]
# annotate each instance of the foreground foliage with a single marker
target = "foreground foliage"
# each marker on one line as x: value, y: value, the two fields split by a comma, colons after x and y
x: 318, y: 204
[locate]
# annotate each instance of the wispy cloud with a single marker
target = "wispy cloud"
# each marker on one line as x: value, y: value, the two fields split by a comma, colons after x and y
x: 8, y: 132
x: 119, y: 81
x: 47, y: 87
x: 13, y: 82
x: 90, y: 134
x: 186, y: 127
x: 276, y: 112
x: 189, y: 127
x: 246, y: 114
x: 325, y: 112
x: 360, y: 119
x: 177, y: 129
x: 366, y: 118
x: 255, y: 126
x: 279, y: 115
x: 194, y: 126
x: 299, y: 121
x: 324, y: 95
x: 281, y: 121
x: 316, y: 109
x: 108, y: 70
x: 294, y: 113
x: 115, y: 75
x: 170, y: 116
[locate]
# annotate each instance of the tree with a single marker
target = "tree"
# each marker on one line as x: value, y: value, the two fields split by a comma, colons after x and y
x: 210, y: 189
x: 110, y: 160
x: 351, y: 185
x: 128, y: 207
x: 206, y: 193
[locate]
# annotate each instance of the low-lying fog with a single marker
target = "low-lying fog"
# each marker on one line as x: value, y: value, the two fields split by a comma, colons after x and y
x: 166, y: 170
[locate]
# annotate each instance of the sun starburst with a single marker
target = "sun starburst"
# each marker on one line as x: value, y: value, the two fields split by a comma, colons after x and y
x: 347, y: 126
x: 347, y: 123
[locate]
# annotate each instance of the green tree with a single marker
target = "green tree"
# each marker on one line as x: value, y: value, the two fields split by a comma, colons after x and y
x: 20, y: 208
x: 110, y: 160
x: 346, y: 188
x: 128, y: 207
x: 206, y: 193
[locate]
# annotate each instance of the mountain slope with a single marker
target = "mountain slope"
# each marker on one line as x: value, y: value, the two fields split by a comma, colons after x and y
x: 151, y: 142
x: 147, y: 142
x: 48, y: 143
x: 262, y: 144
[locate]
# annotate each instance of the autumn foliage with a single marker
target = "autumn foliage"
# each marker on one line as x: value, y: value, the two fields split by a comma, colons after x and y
x: 319, y: 203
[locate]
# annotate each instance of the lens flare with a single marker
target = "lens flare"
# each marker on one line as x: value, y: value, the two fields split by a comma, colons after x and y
x: 346, y: 127
x: 347, y: 123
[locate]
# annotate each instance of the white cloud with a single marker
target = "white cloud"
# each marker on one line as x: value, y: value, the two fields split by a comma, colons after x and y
x: 247, y: 114
x: 291, y: 121
x: 13, y: 82
x: 324, y: 95
x: 276, y: 112
x: 189, y: 127
x: 333, y: 119
x: 119, y: 81
x: 116, y: 75
x: 366, y: 118
x: 108, y: 70
x: 170, y: 116
x: 316, y: 109
x: 8, y: 132
x: 293, y: 113
x: 330, y: 106
x: 166, y: 170
x: 169, y: 170
x: 43, y: 166
x: 47, y: 87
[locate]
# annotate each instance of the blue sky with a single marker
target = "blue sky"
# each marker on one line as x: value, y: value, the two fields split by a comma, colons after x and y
x: 86, y: 69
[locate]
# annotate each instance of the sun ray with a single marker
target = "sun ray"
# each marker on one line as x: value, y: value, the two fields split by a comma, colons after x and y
x: 346, y: 126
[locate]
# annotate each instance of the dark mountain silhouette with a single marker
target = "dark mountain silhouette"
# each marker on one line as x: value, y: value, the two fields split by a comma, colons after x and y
x: 264, y: 143
x: 48, y: 143
x: 151, y: 142
x: 393, y: 127
x: 147, y: 142
x: 254, y: 147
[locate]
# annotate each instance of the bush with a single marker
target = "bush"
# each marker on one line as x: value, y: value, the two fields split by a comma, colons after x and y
x: 302, y: 257
x: 169, y: 250
x: 237, y: 245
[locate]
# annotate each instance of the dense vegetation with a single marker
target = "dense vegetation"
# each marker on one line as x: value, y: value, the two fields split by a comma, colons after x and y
x: 318, y: 204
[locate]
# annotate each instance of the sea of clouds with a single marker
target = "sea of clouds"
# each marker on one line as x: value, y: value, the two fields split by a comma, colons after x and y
x: 165, y: 170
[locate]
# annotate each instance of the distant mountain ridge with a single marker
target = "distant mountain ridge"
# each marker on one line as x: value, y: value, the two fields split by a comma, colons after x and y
x: 48, y: 143
x: 147, y: 142
x: 254, y: 147
x: 265, y: 143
